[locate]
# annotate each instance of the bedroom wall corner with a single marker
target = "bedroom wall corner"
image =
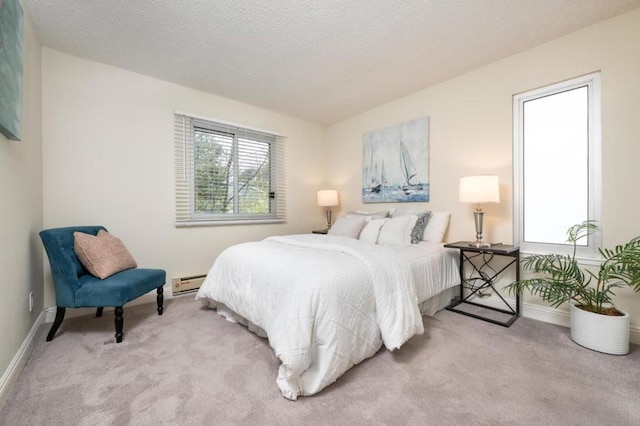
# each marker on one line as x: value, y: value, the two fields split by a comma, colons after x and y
x: 21, y: 261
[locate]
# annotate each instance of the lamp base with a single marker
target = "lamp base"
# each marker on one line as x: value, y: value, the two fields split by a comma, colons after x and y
x: 480, y: 244
x: 478, y: 217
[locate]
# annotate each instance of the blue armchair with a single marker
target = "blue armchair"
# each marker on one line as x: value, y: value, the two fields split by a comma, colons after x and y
x: 77, y: 288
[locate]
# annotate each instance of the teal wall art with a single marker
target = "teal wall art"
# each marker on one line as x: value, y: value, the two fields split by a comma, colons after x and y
x: 11, y: 69
x: 395, y: 163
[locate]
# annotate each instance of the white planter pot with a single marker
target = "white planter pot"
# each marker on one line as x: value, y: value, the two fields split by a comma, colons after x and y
x: 602, y: 333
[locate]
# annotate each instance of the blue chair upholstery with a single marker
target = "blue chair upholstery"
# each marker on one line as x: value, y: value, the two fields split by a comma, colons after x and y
x: 77, y: 288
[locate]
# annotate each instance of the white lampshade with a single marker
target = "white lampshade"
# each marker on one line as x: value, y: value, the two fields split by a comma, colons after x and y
x: 480, y: 189
x: 328, y: 197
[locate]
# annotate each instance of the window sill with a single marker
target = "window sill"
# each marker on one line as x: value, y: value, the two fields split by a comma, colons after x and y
x: 228, y: 222
x: 582, y: 259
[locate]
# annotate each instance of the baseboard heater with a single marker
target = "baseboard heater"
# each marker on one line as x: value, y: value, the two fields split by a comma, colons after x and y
x: 184, y: 285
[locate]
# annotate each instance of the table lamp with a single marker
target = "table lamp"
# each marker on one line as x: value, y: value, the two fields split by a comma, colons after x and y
x: 479, y: 189
x: 328, y: 198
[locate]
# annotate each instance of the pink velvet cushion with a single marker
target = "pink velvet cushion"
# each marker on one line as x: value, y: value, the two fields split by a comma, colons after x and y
x: 103, y: 255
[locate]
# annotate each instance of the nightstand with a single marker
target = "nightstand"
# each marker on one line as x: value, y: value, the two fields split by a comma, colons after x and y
x: 482, y: 277
x: 321, y: 231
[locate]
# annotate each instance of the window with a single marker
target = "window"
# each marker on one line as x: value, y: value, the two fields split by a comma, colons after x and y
x: 557, y: 177
x: 226, y: 173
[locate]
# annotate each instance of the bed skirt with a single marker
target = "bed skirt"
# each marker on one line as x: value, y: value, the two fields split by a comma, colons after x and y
x: 427, y: 308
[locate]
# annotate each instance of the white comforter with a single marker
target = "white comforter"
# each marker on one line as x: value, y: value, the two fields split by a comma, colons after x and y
x: 325, y: 302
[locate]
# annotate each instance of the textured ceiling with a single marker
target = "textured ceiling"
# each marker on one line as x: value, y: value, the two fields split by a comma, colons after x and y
x: 320, y: 60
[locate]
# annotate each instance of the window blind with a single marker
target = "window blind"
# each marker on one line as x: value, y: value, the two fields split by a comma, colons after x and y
x: 226, y: 173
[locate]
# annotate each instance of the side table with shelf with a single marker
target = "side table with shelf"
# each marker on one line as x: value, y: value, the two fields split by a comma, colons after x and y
x: 482, y: 276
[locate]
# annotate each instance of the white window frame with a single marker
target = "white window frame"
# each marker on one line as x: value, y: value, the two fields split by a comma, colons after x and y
x: 185, y: 128
x: 590, y: 250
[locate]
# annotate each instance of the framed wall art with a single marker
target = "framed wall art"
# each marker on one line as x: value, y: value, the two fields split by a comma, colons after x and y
x: 395, y: 163
x: 11, y: 69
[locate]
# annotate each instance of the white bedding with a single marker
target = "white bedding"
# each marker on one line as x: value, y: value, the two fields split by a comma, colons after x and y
x: 326, y: 302
x: 434, y: 267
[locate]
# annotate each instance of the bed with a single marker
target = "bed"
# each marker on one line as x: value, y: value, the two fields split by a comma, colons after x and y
x: 328, y: 302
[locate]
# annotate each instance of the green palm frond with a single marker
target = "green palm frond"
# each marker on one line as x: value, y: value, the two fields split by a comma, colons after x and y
x: 580, y: 231
x: 560, y: 277
x: 622, y: 264
x: 554, y: 292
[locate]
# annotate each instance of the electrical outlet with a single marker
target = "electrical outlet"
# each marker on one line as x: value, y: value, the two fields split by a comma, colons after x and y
x: 30, y: 301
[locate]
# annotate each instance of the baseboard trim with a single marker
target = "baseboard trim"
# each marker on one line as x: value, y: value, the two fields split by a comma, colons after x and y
x: 47, y: 315
x: 548, y: 314
x: 12, y: 373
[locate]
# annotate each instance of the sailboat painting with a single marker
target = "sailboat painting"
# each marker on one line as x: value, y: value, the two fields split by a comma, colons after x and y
x: 395, y: 163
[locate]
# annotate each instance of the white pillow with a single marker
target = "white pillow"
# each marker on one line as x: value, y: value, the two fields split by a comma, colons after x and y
x: 436, y: 227
x: 371, y: 230
x: 348, y: 226
x: 374, y: 215
x: 397, y: 231
x: 406, y: 212
x: 423, y: 218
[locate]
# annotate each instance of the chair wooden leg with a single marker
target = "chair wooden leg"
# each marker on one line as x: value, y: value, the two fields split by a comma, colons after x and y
x: 160, y: 299
x: 99, y: 312
x: 119, y: 323
x: 56, y: 323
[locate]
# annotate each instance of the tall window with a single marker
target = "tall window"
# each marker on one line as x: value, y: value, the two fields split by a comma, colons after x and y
x: 557, y: 177
x: 226, y: 173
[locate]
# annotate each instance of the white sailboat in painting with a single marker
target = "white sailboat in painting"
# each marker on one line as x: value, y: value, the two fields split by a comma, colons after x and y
x: 383, y: 179
x: 377, y: 180
x: 375, y: 184
x: 378, y: 184
x: 411, y: 184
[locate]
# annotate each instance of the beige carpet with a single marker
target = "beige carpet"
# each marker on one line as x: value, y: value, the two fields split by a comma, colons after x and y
x: 191, y: 367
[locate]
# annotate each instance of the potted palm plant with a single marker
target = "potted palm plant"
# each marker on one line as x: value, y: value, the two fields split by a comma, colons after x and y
x: 595, y: 322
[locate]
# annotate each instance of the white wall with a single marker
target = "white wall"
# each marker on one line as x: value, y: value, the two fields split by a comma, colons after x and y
x: 108, y: 160
x: 21, y: 210
x: 471, y: 132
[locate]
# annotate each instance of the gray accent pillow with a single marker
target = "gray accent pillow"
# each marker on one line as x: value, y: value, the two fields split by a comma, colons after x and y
x: 418, y: 229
